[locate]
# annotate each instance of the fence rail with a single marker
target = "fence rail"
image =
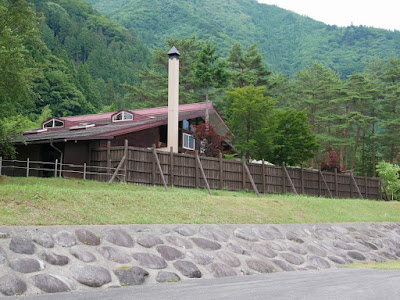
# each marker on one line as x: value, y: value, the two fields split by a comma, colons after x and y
x: 150, y: 167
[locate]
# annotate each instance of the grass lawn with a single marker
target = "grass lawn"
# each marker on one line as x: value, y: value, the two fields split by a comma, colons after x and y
x: 47, y: 201
x: 389, y: 265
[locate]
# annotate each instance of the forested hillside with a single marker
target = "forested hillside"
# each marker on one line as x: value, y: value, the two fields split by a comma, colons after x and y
x: 291, y: 42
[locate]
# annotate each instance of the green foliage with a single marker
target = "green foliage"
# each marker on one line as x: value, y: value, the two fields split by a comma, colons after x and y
x: 390, y: 174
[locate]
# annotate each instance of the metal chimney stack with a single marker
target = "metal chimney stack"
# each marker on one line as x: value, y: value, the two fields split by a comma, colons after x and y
x: 173, y: 99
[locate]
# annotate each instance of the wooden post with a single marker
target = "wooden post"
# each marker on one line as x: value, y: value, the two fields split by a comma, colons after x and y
x: 126, y: 161
x: 117, y: 169
x: 84, y: 171
x: 251, y: 178
x: 263, y: 176
x: 336, y: 184
x: 283, y: 179
x: 221, y: 171
x: 109, y: 158
x: 159, y: 168
x: 243, y: 173
x: 302, y: 178
x: 366, y: 185
x: 326, y: 184
x: 351, y: 187
x: 197, y: 169
x: 356, y: 185
x: 319, y: 184
x: 289, y: 179
x: 153, y: 168
x: 380, y: 190
x: 202, y: 172
x: 1, y: 164
x: 384, y: 188
x: 55, y: 167
x: 27, y: 167
x: 171, y: 166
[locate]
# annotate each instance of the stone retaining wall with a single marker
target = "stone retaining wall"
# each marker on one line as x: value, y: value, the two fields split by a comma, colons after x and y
x: 66, y: 258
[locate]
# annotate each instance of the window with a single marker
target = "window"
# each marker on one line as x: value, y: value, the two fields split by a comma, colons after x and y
x: 53, y: 123
x: 188, y: 142
x: 185, y: 124
x: 122, y: 116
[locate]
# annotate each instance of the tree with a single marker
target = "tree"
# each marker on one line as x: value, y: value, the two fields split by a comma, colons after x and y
x: 250, y: 112
x: 209, y: 71
x: 207, y: 132
x: 390, y: 174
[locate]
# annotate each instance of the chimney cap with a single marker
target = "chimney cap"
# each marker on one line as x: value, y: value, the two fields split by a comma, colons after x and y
x: 173, y: 51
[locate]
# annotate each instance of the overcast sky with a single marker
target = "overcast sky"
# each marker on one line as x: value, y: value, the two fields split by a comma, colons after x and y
x: 380, y: 14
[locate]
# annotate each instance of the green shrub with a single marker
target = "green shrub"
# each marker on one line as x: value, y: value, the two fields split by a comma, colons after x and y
x: 390, y: 174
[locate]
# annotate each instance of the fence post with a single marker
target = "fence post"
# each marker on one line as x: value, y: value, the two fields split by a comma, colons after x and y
x: 326, y: 184
x: 384, y: 189
x: 55, y: 167
x: 263, y: 176
x: 126, y: 161
x: 366, y: 185
x: 1, y: 164
x: 153, y: 161
x: 336, y: 184
x: 319, y: 183
x: 251, y: 178
x: 302, y: 178
x: 109, y: 158
x: 159, y: 168
x: 84, y: 171
x: 171, y: 161
x: 289, y: 179
x: 243, y: 173
x: 196, y: 166
x: 221, y: 171
x: 27, y: 167
x: 202, y: 172
x: 356, y: 185
x: 351, y: 187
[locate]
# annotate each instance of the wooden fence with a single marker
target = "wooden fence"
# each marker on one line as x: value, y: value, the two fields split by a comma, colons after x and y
x: 149, y: 167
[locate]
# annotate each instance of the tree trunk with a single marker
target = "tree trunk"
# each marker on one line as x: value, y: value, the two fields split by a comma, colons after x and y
x: 353, y: 161
x: 373, y: 150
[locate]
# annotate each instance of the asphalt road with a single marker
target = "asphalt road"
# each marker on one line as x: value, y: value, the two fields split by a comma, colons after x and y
x: 330, y: 284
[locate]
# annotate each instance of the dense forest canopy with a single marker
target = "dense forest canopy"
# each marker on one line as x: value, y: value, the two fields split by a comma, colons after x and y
x: 301, y: 79
x: 290, y: 42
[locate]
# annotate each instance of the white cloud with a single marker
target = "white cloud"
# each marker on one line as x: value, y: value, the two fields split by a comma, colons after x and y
x: 380, y: 14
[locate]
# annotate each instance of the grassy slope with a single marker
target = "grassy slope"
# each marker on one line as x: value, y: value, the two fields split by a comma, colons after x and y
x: 39, y: 201
x: 389, y: 265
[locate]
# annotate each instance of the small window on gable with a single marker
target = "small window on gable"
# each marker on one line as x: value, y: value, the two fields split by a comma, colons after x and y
x: 122, y: 116
x: 53, y: 123
x: 188, y: 142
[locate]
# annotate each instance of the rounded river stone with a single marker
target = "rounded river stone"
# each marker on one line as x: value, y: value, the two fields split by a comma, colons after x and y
x: 325, y: 234
x: 82, y: 255
x: 150, y: 260
x: 49, y: 283
x: 214, y: 234
x: 296, y: 249
x: 373, y: 257
x: 64, y: 238
x: 228, y: 258
x: 201, y: 258
x: 245, y: 235
x: 26, y: 265
x: 263, y: 234
x: 118, y: 237
x: 356, y: 255
x: 206, y: 244
x: 163, y: 276
x: 294, y: 237
x: 292, y: 258
x: 221, y: 270
x: 316, y: 250
x: 277, y: 233
x: 87, y: 237
x: 260, y: 266
x: 187, y: 268
x: 283, y: 265
x: 264, y: 250
x: 149, y: 240
x: 12, y: 285
x: 318, y: 262
x: 169, y: 253
x: 3, y: 256
x: 387, y: 255
x: 337, y: 259
x: 184, y: 230
x: 339, y: 229
x: 41, y: 238
x: 22, y: 245
x: 275, y: 246
x: 54, y: 259
x: 131, y: 276
x: 114, y: 254
x: 93, y: 276
x: 237, y: 249
x: 342, y: 245
x: 179, y: 242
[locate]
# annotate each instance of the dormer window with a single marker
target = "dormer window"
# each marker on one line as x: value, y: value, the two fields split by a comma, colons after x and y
x: 122, y: 116
x: 53, y: 123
